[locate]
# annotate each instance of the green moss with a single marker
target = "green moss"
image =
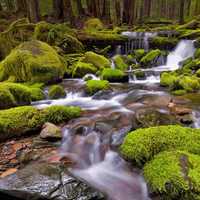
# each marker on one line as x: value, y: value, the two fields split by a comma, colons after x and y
x: 189, y: 83
x: 174, y: 174
x: 139, y: 53
x: 20, y: 120
x: 93, y: 24
x: 163, y: 42
x: 105, y: 35
x: 97, y: 60
x: 141, y: 145
x: 81, y: 69
x: 33, y: 61
x: 93, y: 86
x: 59, y: 114
x: 179, y: 92
x: 27, y: 119
x: 150, y: 57
x: 113, y: 75
x: 139, y: 74
x: 197, y: 53
x: 120, y: 62
x: 56, y: 92
x: 58, y: 35
x: 168, y: 79
x: 15, y: 94
x: 190, y: 34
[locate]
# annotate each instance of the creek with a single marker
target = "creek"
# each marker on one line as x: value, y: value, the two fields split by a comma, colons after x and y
x: 92, y: 140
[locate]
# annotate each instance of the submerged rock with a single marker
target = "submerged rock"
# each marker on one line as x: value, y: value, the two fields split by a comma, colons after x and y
x: 45, y: 181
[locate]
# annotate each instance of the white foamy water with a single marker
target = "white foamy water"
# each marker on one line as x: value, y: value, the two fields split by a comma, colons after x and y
x: 185, y: 49
x: 102, y: 168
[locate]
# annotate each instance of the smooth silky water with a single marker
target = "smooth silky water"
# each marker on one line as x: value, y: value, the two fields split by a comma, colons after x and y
x: 93, y: 150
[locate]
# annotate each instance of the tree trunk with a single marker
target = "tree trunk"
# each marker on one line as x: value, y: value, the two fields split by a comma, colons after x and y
x: 181, y: 14
x: 58, y: 11
x: 33, y: 10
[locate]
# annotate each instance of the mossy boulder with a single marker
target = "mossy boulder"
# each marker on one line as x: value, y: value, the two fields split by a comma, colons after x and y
x: 151, y: 57
x: 27, y: 119
x: 114, y: 75
x: 120, y: 63
x: 142, y: 145
x: 189, y: 83
x: 81, y: 69
x: 15, y: 94
x: 59, y: 114
x: 56, y: 92
x: 139, y: 53
x: 163, y: 43
x: 33, y: 61
x: 97, y: 60
x: 93, y: 24
x: 174, y: 175
x: 93, y: 86
x: 58, y: 35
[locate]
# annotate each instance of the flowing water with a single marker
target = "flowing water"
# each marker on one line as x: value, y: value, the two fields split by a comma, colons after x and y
x: 185, y: 49
x: 91, y: 141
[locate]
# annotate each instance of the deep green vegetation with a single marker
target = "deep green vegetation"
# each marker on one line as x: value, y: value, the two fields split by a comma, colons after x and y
x: 56, y: 92
x: 170, y: 156
x: 27, y: 119
x: 93, y: 86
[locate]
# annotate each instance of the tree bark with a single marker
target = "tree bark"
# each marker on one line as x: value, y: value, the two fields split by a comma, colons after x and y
x: 33, y: 10
x: 181, y: 16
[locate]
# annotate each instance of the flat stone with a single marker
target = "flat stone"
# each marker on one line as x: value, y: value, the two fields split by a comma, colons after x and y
x: 45, y: 181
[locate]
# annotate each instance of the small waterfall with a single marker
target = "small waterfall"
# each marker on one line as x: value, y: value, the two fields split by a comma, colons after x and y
x: 137, y: 40
x: 185, y: 49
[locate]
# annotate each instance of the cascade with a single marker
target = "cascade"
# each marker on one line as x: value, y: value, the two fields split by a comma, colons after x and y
x: 185, y: 49
x: 137, y: 40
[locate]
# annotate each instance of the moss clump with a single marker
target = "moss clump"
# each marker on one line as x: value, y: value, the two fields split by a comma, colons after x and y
x: 141, y: 145
x: 179, y: 92
x: 58, y: 35
x: 33, y: 61
x: 113, y: 75
x: 97, y: 60
x: 15, y: 94
x: 81, y: 69
x: 59, y: 114
x: 56, y: 92
x: 151, y: 57
x: 174, y: 174
x: 25, y: 119
x: 189, y: 83
x: 93, y: 86
x: 197, y: 53
x: 139, y: 53
x: 93, y: 24
x: 139, y: 74
x: 163, y: 43
x: 120, y: 62
x: 20, y: 120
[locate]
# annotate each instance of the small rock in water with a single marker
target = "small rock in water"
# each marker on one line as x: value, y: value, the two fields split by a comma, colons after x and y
x: 51, y: 131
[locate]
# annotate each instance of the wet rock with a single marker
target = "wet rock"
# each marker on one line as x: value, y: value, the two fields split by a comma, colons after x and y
x: 51, y: 132
x: 104, y: 94
x: 182, y: 111
x: 148, y: 117
x: 45, y: 181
